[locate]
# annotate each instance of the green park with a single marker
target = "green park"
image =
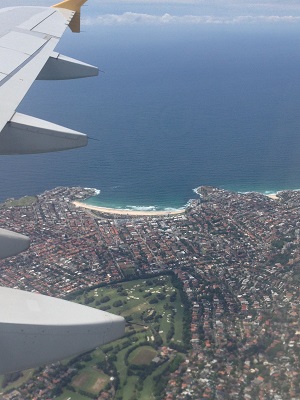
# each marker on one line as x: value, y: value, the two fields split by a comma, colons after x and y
x: 136, y: 366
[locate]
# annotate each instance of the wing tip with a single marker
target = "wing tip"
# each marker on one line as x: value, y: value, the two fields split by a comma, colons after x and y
x: 73, y: 5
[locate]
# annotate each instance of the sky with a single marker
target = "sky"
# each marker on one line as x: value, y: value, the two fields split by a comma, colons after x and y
x: 192, y: 11
x: 182, y: 11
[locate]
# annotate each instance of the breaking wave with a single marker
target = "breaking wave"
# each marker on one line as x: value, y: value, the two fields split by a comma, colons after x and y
x: 142, y: 208
x: 97, y: 191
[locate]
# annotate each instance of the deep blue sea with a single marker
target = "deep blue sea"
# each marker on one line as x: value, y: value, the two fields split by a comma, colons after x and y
x: 176, y: 107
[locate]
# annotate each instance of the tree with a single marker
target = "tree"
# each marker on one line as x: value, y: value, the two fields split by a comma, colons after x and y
x: 104, y: 299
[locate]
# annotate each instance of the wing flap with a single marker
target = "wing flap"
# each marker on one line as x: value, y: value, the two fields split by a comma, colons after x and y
x: 14, y: 87
x: 21, y: 42
x: 10, y: 60
x: 16, y: 48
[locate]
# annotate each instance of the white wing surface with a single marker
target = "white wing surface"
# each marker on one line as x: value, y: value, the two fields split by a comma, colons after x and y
x: 36, y: 329
x: 28, y: 37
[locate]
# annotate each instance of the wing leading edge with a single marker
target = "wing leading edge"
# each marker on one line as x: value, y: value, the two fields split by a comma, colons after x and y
x: 36, y: 329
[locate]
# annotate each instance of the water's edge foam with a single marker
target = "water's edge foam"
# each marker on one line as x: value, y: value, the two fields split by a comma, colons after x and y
x: 95, y: 200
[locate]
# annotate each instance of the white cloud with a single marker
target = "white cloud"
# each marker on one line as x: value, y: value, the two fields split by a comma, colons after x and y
x: 269, y: 3
x: 130, y: 18
x: 214, y: 4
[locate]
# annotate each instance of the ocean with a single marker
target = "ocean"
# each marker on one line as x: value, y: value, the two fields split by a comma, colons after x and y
x: 177, y: 106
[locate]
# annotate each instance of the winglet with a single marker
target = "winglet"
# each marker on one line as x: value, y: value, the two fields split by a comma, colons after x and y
x: 73, y: 5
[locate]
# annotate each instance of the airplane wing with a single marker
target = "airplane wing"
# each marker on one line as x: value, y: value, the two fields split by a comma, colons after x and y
x: 28, y: 37
x: 36, y: 329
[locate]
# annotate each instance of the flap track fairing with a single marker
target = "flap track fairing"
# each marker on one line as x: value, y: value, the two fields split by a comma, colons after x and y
x: 59, y: 67
x: 28, y: 135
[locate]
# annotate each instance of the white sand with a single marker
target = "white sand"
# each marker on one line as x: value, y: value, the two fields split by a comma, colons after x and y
x: 117, y: 211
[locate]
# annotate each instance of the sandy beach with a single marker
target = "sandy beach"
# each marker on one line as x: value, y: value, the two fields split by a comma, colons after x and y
x: 132, y: 213
x: 273, y: 196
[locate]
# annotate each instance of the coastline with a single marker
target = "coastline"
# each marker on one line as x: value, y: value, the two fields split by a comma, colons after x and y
x: 133, y: 213
x: 274, y: 195
x: 271, y: 195
x: 152, y: 213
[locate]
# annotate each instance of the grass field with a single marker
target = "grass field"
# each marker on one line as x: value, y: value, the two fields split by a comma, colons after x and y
x: 178, y: 320
x: 69, y: 395
x: 129, y: 391
x: 142, y: 355
x: 22, y: 202
x: 91, y: 380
